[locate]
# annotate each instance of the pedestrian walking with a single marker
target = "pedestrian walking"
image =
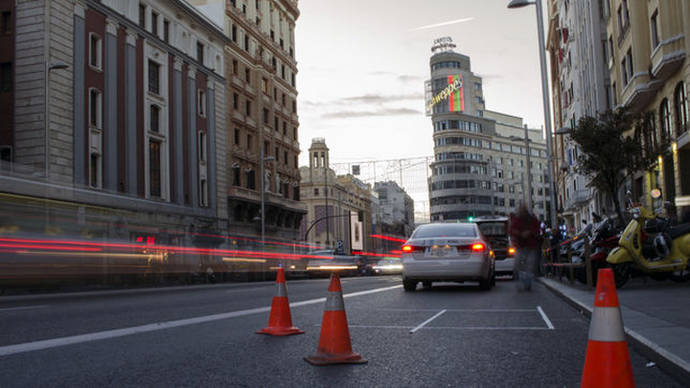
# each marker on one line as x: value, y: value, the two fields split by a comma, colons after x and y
x: 524, y: 234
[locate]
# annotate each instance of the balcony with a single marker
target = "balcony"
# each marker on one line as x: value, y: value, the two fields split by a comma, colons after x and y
x: 668, y: 57
x: 578, y: 199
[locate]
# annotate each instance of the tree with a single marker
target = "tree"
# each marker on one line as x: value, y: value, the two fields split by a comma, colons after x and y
x: 608, y: 156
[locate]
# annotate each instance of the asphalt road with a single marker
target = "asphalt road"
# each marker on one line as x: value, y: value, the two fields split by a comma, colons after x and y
x: 204, y: 336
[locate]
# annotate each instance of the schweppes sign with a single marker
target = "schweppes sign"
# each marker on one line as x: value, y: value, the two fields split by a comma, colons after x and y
x: 451, y: 93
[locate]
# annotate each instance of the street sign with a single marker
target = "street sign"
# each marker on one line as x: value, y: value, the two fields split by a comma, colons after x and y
x: 339, y: 248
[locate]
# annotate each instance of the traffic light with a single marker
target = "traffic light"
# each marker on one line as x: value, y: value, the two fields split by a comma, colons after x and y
x: 470, y: 218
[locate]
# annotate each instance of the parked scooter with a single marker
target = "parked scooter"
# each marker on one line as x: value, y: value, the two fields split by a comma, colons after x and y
x: 651, y: 246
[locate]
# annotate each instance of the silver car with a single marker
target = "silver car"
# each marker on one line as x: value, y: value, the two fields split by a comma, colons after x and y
x: 447, y: 252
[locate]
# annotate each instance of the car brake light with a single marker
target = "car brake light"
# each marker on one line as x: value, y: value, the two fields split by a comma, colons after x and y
x: 407, y: 248
x: 478, y: 247
x: 511, y: 251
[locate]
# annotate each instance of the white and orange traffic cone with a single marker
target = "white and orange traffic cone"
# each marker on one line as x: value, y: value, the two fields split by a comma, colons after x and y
x: 607, y: 362
x: 280, y: 320
x: 334, y: 342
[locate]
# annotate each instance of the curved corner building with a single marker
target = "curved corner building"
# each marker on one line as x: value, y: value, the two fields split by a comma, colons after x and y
x: 460, y: 185
x: 483, y: 160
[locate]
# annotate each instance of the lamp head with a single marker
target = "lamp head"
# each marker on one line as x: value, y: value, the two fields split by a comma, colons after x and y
x: 520, y: 3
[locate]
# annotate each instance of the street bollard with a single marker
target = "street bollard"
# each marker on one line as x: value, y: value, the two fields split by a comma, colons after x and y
x: 571, y: 270
x: 588, y: 264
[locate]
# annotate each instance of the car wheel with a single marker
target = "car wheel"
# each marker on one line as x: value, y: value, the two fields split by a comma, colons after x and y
x: 409, y: 285
x: 485, y: 284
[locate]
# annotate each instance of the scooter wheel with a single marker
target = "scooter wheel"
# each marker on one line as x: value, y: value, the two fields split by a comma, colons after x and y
x: 621, y: 273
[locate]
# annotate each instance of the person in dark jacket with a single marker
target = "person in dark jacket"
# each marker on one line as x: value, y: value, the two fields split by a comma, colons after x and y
x: 524, y: 233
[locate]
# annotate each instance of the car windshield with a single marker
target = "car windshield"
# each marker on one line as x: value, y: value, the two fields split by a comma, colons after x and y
x: 445, y: 230
x: 493, y: 228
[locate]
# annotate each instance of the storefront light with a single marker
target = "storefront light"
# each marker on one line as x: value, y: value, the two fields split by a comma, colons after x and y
x: 674, y: 147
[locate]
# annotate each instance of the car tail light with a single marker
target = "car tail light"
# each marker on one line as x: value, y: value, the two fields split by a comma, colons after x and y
x: 511, y: 251
x: 478, y: 247
x: 410, y: 248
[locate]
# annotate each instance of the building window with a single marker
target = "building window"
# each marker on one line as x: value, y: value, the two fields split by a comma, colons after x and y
x: 654, y: 33
x: 680, y: 103
x: 248, y: 75
x: 275, y: 123
x: 142, y: 16
x: 6, y: 77
x: 166, y: 31
x: 249, y: 142
x: 294, y: 106
x: 201, y: 102
x: 95, y: 51
x: 624, y: 72
x: 235, y: 67
x: 236, y: 176
x: 248, y: 108
x: 235, y: 101
x: 294, y: 133
x: 95, y: 109
x: 251, y: 180
x: 234, y: 33
x: 203, y: 193
x: 665, y: 119
x: 154, y: 23
x: 6, y: 23
x: 295, y: 160
x: 292, y: 81
x: 265, y: 116
x: 95, y: 170
x: 629, y: 63
x: 282, y: 71
x: 285, y: 157
x: 284, y: 128
x: 154, y: 118
x: 155, y: 168
x: 200, y: 53
x: 316, y: 192
x: 154, y: 77
x: 202, y: 146
x: 246, y: 42
x: 264, y: 85
x: 237, y: 136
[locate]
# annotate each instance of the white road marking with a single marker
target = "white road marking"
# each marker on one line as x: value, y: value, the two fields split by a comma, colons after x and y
x: 427, y: 321
x: 77, y: 339
x: 464, y: 310
x: 545, y: 318
x: 22, y: 308
x: 450, y: 327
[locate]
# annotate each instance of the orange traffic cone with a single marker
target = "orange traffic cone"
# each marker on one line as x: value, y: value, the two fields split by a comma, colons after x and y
x: 280, y: 321
x: 334, y: 343
x: 607, y: 363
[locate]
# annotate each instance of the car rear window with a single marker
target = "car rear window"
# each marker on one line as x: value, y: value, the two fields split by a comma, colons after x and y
x: 493, y: 228
x: 445, y: 230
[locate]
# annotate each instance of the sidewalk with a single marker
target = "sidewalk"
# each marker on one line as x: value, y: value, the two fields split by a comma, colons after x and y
x: 656, y: 316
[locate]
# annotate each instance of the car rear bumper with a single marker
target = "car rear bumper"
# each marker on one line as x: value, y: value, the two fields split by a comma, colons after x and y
x: 505, y: 265
x: 446, y: 269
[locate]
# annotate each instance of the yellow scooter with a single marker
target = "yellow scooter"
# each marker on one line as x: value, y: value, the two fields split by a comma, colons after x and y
x: 649, y: 245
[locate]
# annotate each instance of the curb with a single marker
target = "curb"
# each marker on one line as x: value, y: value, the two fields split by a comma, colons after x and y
x: 669, y: 362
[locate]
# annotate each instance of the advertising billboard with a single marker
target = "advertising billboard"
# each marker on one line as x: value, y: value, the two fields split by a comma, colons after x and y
x: 452, y: 95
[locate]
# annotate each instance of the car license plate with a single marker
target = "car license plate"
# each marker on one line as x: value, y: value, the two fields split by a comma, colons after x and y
x: 438, y: 251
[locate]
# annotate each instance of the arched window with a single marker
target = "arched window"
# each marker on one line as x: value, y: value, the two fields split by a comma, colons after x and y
x: 665, y: 120
x: 680, y: 104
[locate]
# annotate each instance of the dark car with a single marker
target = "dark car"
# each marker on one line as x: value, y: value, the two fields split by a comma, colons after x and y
x: 495, y: 229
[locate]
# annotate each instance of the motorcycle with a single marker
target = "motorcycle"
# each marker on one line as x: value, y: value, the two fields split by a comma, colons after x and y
x: 649, y: 245
x: 602, y: 238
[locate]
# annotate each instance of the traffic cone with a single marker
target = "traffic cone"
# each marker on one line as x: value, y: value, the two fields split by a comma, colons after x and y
x: 334, y: 343
x: 280, y: 321
x: 607, y: 362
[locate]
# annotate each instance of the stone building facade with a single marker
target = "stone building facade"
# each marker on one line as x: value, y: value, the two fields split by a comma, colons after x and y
x: 338, y: 207
x: 119, y: 115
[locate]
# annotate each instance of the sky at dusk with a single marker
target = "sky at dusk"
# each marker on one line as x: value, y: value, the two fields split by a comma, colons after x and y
x: 362, y: 66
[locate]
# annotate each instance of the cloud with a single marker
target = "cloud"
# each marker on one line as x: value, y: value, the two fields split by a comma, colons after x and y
x: 379, y: 98
x: 409, y: 78
x: 442, y: 24
x: 378, y: 113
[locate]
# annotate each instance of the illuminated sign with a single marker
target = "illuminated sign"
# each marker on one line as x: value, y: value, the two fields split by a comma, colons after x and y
x: 453, y: 93
x: 443, y: 44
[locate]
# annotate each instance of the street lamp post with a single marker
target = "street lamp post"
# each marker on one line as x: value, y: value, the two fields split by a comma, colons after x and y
x: 545, y: 95
x: 263, y: 193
